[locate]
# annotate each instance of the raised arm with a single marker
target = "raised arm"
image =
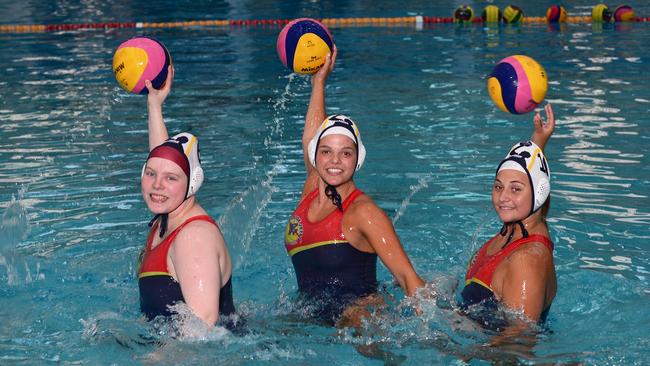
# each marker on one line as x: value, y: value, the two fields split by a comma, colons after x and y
x: 157, y: 129
x: 370, y: 221
x: 543, y: 130
x: 316, y: 110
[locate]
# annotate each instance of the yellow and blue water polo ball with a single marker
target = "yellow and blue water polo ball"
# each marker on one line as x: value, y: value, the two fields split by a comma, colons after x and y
x: 491, y: 14
x: 303, y: 44
x: 517, y: 84
x: 601, y: 13
x: 463, y: 14
x: 512, y: 14
x: 624, y: 13
x: 556, y: 14
x: 140, y: 59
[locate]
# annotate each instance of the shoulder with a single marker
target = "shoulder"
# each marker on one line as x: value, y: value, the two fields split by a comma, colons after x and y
x: 364, y: 210
x: 363, y: 204
x: 534, y: 255
x: 199, y: 234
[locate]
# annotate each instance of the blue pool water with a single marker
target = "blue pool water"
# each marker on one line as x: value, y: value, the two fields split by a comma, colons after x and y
x: 72, y: 145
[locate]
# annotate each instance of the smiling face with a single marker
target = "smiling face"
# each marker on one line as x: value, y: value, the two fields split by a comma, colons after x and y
x: 164, y: 185
x: 336, y: 159
x: 512, y: 195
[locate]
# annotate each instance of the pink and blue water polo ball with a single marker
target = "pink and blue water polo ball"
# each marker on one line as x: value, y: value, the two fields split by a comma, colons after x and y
x: 517, y: 84
x: 556, y: 14
x: 303, y: 45
x: 140, y: 59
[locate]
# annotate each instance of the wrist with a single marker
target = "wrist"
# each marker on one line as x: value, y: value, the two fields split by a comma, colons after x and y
x: 154, y: 105
x: 539, y: 139
x: 318, y: 83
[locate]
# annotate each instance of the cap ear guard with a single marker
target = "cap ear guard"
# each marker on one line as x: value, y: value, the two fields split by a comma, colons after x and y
x: 311, y: 151
x: 361, y: 155
x: 542, y: 191
x: 191, y: 149
x: 195, y: 181
x: 337, y: 124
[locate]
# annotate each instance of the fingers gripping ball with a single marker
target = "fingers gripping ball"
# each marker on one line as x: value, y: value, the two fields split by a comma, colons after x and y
x: 140, y: 59
x: 517, y: 84
x: 624, y: 13
x: 556, y: 14
x: 303, y: 44
x: 463, y: 14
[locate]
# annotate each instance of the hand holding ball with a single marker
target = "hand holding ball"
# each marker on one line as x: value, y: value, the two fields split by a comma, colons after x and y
x: 140, y: 59
x: 303, y: 44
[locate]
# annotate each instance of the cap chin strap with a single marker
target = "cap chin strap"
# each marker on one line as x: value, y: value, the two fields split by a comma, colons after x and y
x: 330, y: 191
x: 524, y: 232
x: 163, y: 222
x: 164, y: 218
x: 507, y: 225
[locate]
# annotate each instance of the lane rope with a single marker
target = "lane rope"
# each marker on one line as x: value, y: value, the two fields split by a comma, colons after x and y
x: 416, y: 21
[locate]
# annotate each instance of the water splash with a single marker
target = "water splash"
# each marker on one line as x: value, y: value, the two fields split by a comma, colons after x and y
x: 422, y: 183
x: 240, y: 219
x: 14, y: 228
x: 14, y: 225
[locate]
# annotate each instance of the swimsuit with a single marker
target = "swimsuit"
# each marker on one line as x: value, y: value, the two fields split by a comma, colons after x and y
x: 478, y: 282
x: 158, y: 289
x: 328, y: 268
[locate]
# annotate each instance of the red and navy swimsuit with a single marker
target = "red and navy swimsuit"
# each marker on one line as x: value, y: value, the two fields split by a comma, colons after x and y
x: 328, y: 269
x: 478, y: 281
x: 158, y: 289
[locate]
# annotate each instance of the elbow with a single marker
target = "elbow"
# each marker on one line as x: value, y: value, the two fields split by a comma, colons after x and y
x: 210, y: 320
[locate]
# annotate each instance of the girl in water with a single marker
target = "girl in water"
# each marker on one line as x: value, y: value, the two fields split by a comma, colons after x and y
x: 515, y: 267
x: 337, y: 232
x: 185, y: 258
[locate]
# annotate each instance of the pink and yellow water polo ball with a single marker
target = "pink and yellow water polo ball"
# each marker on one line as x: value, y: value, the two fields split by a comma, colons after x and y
x: 140, y: 59
x: 624, y: 13
x: 303, y: 44
x: 517, y: 84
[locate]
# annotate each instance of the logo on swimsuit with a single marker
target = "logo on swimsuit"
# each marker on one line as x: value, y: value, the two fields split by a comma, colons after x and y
x: 293, y: 232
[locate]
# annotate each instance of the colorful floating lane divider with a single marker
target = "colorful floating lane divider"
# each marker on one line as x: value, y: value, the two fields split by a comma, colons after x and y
x: 330, y: 22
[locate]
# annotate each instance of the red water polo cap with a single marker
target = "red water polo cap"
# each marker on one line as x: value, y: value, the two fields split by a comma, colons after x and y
x: 173, y: 153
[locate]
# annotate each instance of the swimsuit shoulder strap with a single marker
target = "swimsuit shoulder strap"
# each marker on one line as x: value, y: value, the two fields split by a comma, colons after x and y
x: 191, y: 219
x: 348, y: 201
x: 530, y: 239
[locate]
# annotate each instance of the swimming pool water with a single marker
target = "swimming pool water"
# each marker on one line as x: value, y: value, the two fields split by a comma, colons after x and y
x: 73, y: 143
